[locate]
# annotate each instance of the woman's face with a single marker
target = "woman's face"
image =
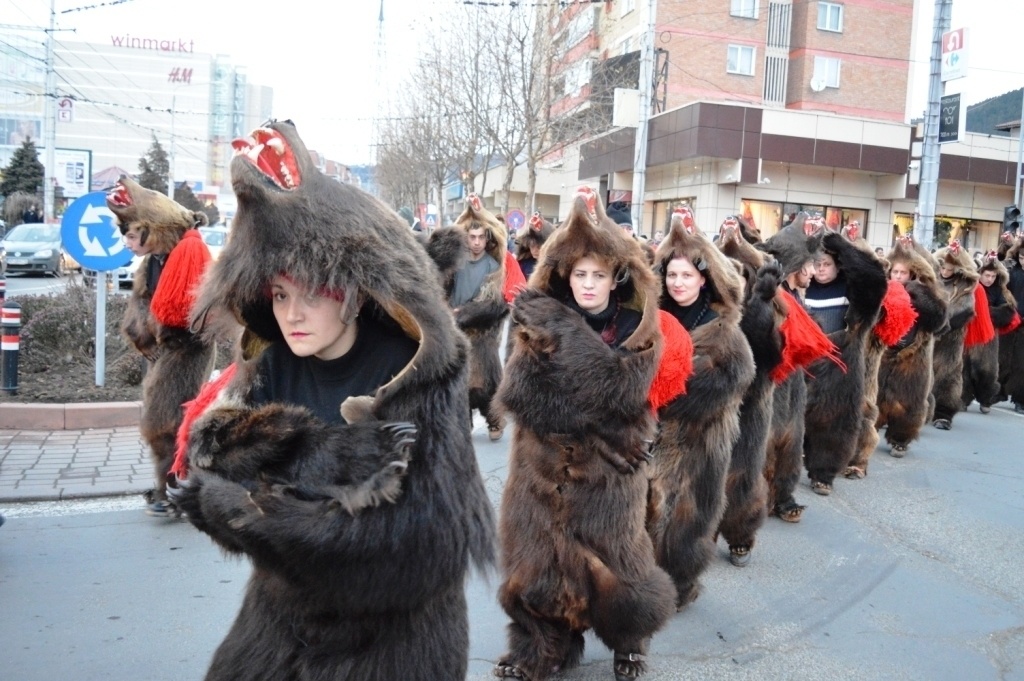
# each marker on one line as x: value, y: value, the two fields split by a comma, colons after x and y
x: 825, y: 271
x: 311, y: 323
x: 592, y: 284
x: 946, y: 270
x: 683, y: 281
x: 900, y: 273
x: 988, y: 277
x: 534, y: 250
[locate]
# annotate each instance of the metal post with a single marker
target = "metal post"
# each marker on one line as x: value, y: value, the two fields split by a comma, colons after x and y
x: 1020, y: 152
x: 924, y: 221
x: 101, y: 326
x: 646, y: 95
x: 50, y: 121
x: 170, y: 158
x: 10, y: 328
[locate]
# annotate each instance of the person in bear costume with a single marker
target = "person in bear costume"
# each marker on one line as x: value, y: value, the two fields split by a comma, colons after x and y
x: 529, y: 240
x: 703, y: 290
x: 481, y: 313
x: 803, y: 343
x: 356, y: 574
x: 994, y: 308
x: 580, y: 385
x: 835, y: 393
x: 958, y: 277
x: 1011, y: 338
x: 156, y: 320
x: 905, y: 369
x: 746, y: 489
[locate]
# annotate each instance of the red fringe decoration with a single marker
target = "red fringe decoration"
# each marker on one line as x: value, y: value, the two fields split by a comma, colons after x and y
x: 899, y: 316
x: 1012, y: 326
x: 803, y: 341
x: 175, y: 293
x: 980, y: 329
x: 193, y: 410
x: 676, y: 362
x: 515, y: 282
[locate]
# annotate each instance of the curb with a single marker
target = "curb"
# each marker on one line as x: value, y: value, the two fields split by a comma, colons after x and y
x: 69, y: 416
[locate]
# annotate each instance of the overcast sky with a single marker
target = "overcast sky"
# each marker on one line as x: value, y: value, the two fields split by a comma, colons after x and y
x: 322, y: 64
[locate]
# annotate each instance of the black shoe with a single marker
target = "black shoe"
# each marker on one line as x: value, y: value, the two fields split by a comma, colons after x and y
x: 739, y: 556
x: 1018, y: 408
x: 1, y: 520
x: 162, y: 509
x: 898, y: 451
x: 942, y: 424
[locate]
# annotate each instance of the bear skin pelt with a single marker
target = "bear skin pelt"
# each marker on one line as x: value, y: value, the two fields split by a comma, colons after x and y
x: 784, y: 456
x: 700, y: 428
x: 948, y: 356
x: 746, y: 489
x: 895, y: 320
x: 347, y: 584
x: 179, y: 361
x: 981, y: 362
x: 905, y: 371
x: 575, y: 553
x: 482, y: 318
x: 1011, y: 344
x: 835, y: 394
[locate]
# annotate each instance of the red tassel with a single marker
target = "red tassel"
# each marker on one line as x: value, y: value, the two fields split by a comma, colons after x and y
x: 193, y: 410
x: 803, y: 341
x: 175, y: 292
x: 676, y: 362
x: 515, y: 282
x: 899, y: 316
x: 980, y: 329
x: 1012, y: 326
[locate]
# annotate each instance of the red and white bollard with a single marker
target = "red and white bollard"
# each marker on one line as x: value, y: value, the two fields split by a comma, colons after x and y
x: 10, y: 327
x: 3, y: 288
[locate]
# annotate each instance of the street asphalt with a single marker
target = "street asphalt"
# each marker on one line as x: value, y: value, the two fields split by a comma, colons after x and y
x: 911, y: 573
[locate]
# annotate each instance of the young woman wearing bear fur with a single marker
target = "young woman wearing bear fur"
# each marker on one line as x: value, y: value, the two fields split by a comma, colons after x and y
x: 958, y: 277
x: 994, y: 303
x: 1011, y: 339
x: 905, y: 371
x: 575, y: 554
x: 746, y: 489
x: 341, y: 588
x: 702, y: 289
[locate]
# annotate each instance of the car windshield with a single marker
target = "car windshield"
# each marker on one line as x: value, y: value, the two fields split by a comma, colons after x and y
x: 34, y: 233
x: 213, y: 237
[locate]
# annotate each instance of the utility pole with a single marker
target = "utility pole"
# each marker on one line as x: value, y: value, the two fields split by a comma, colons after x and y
x: 924, y: 221
x: 1020, y: 153
x: 50, y: 123
x: 646, y: 95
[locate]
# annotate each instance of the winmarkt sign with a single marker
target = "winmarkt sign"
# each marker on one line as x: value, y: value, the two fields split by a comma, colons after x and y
x: 156, y: 44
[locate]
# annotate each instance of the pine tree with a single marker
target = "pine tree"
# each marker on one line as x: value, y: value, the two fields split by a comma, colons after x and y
x: 154, y: 168
x: 25, y: 173
x: 183, y: 195
x: 212, y: 212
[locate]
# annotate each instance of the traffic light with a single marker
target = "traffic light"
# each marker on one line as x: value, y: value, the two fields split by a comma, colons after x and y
x: 1011, y: 219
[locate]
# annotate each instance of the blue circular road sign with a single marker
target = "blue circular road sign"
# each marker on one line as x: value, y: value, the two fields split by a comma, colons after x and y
x: 515, y: 219
x: 89, y: 233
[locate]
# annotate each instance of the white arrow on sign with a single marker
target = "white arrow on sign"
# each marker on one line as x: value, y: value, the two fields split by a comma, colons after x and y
x: 94, y: 215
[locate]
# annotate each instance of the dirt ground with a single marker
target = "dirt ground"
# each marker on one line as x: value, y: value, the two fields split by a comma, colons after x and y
x: 70, y: 383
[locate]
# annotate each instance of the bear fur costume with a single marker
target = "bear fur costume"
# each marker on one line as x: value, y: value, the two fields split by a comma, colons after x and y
x: 1011, y: 342
x: 746, y: 489
x: 792, y: 247
x: 835, y: 394
x: 179, y: 361
x: 895, y: 320
x: 905, y: 372
x: 482, y: 318
x: 334, y: 594
x: 948, y: 357
x: 981, y: 360
x: 575, y: 553
x: 699, y: 429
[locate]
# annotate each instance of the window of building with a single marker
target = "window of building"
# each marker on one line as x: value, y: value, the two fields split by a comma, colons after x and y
x: 626, y: 6
x: 826, y: 70
x: 743, y: 8
x: 740, y: 60
x: 627, y: 45
x: 830, y: 17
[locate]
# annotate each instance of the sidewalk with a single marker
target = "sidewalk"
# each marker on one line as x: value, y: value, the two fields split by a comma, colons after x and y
x: 37, y: 465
